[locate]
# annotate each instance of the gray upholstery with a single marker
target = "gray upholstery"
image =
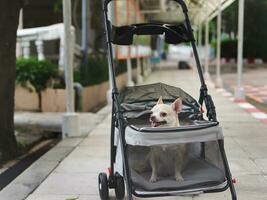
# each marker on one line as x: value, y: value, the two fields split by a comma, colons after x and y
x: 197, y: 174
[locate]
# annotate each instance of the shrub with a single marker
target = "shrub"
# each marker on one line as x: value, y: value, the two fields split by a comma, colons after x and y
x: 255, y: 44
x: 96, y: 71
x: 229, y: 48
x: 37, y: 73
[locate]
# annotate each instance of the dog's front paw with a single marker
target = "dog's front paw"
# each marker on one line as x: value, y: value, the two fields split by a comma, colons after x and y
x: 179, y: 178
x: 153, y: 179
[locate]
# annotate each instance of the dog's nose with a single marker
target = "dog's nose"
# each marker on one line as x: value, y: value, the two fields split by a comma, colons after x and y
x: 152, y: 118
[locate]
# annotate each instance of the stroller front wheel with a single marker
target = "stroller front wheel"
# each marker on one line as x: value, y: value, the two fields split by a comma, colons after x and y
x: 103, y: 186
x: 119, y: 187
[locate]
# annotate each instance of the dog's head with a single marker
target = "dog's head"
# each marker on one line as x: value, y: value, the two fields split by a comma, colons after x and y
x: 164, y: 115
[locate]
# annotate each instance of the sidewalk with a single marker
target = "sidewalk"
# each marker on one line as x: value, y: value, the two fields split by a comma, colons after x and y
x: 245, y: 140
x: 255, y: 85
x: 53, y: 121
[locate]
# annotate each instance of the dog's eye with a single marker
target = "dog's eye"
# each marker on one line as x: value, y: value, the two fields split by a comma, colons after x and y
x: 163, y: 114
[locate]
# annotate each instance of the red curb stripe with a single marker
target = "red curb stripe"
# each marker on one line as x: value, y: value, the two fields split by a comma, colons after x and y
x: 240, y: 101
x: 264, y: 121
x: 251, y: 110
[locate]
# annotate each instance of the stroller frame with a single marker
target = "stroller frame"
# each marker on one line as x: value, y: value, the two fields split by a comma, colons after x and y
x: 116, y: 181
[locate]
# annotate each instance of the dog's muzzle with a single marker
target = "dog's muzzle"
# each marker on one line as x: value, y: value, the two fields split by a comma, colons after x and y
x: 155, y: 123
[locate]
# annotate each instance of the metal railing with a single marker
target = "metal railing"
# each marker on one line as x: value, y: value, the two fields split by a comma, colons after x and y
x: 39, y: 35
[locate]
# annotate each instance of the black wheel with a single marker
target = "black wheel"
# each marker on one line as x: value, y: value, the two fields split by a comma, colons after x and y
x: 103, y: 186
x: 119, y: 187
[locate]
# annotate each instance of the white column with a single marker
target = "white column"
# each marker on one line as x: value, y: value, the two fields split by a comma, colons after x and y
x: 20, y: 26
x: 149, y: 65
x: 84, y: 31
x: 218, y: 82
x: 139, y: 77
x: 61, y: 54
x: 111, y: 16
x: 139, y: 73
x: 239, y: 93
x: 207, y: 51
x: 25, y: 49
x: 200, y: 35
x: 70, y: 121
x: 129, y: 69
x: 40, y: 49
x: 145, y: 67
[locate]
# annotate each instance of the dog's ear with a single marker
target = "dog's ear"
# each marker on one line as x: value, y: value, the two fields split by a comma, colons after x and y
x: 160, y: 101
x: 177, y: 105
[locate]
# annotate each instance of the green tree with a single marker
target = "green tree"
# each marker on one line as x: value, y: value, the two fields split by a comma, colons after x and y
x: 97, y: 24
x: 230, y: 18
x: 9, y: 15
x: 255, y: 32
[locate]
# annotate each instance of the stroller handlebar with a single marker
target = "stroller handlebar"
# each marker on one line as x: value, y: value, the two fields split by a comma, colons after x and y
x: 180, y: 2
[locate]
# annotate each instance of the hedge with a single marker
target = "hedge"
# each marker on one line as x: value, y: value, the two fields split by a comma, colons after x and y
x: 37, y: 73
x: 96, y: 70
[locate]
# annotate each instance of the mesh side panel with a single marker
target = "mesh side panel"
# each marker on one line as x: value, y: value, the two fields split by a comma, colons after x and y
x: 198, y: 165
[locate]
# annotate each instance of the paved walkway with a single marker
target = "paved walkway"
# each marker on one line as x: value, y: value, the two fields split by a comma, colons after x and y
x: 255, y: 85
x: 53, y: 121
x: 245, y: 139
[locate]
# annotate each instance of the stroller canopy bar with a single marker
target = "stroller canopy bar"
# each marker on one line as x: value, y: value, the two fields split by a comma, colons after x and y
x: 174, y: 33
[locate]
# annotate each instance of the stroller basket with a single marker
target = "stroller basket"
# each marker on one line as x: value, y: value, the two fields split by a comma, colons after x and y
x: 203, y: 168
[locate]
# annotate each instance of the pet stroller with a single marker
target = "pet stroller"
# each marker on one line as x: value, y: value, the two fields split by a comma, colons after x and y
x: 205, y: 169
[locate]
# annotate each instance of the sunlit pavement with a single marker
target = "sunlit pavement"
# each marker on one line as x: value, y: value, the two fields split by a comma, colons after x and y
x: 245, y: 140
x: 255, y: 85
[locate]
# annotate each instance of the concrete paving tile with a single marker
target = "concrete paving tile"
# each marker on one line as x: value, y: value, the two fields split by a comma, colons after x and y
x: 100, y: 131
x: 214, y: 196
x: 235, y: 153
x: 243, y: 167
x: 244, y: 195
x: 262, y: 164
x: 168, y: 198
x: 241, y: 129
x: 92, y: 151
x: 251, y: 183
x: 57, y: 153
x: 225, y: 106
x: 235, y: 117
x: 69, y: 184
x: 73, y: 142
x: 25, y: 183
x: 243, y: 133
x: 61, y: 197
x: 82, y: 165
x: 234, y: 150
x: 255, y: 152
x: 252, y: 141
x: 103, y: 129
x: 101, y: 140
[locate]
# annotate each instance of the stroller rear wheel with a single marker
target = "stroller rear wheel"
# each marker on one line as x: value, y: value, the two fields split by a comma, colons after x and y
x: 119, y: 187
x: 103, y: 186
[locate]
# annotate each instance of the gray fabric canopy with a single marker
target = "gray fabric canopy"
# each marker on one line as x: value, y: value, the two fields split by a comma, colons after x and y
x: 152, y: 92
x: 137, y: 101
